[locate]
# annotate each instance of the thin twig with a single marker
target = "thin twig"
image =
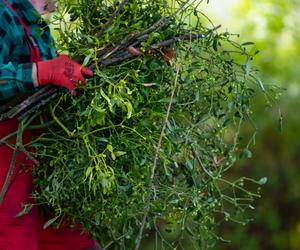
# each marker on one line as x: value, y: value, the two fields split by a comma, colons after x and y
x: 154, y: 166
x: 29, y: 156
x: 6, y: 139
x: 12, y: 162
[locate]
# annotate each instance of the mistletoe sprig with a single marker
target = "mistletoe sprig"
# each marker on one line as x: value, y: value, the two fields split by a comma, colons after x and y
x: 141, y: 153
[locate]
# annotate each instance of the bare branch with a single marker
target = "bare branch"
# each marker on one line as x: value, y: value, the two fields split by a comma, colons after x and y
x: 125, y: 55
x: 32, y: 103
x: 12, y: 162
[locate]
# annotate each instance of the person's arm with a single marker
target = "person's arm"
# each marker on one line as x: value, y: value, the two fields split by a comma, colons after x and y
x: 61, y: 71
x: 14, y: 78
x: 19, y: 78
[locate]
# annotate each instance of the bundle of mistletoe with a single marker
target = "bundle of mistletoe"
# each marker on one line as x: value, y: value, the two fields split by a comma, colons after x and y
x: 141, y: 152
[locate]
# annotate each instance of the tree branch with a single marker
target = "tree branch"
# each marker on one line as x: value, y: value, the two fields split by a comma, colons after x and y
x: 30, y: 102
x: 126, y: 55
x: 12, y: 162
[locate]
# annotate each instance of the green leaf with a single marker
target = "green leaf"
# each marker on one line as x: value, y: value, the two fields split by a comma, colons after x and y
x: 97, y: 219
x: 50, y: 222
x: 190, y: 165
x: 215, y: 44
x: 261, y: 84
x: 109, y: 147
x: 129, y: 108
x: 248, y: 66
x: 263, y: 181
x: 247, y: 43
x: 97, y: 117
x: 107, y: 99
x: 113, y: 156
x: 246, y: 153
x: 88, y: 171
x: 86, y: 60
x: 119, y: 153
x: 25, y: 210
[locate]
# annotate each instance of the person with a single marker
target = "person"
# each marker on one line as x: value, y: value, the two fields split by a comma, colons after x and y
x: 27, y: 61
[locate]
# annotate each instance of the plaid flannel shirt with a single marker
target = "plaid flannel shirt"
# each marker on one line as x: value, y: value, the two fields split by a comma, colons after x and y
x: 15, y: 65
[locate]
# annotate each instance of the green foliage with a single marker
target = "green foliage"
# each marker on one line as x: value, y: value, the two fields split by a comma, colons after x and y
x: 98, y: 156
x: 274, y: 26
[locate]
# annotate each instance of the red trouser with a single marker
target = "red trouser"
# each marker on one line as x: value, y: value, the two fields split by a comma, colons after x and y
x: 26, y: 232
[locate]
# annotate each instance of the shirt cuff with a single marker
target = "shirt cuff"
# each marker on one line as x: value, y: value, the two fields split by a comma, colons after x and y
x: 24, y: 76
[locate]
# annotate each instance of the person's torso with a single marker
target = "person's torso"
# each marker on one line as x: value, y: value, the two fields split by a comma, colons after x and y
x: 19, y: 51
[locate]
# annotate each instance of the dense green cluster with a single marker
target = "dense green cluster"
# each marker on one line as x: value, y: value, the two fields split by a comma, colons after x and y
x: 98, y: 150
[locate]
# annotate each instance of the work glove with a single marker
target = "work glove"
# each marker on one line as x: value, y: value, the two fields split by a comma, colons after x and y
x: 62, y: 71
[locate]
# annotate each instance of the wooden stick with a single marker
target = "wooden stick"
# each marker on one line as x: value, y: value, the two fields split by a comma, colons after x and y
x: 12, y: 162
x: 126, y: 55
x: 29, y: 102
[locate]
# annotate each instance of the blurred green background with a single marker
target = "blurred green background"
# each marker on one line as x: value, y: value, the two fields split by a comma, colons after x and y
x: 274, y: 26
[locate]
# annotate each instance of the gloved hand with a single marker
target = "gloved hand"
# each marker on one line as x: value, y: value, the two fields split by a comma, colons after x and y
x: 62, y: 71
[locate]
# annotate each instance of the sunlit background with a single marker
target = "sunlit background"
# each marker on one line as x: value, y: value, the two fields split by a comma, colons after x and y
x: 274, y: 26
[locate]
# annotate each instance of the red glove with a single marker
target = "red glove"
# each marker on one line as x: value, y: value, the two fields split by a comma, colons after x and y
x: 62, y: 71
